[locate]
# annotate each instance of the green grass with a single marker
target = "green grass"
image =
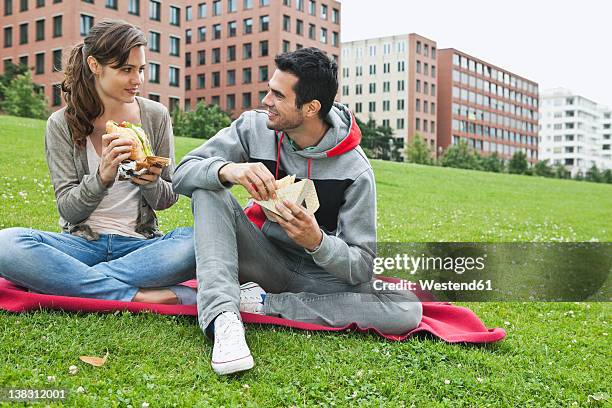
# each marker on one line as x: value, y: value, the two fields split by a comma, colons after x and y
x: 551, y: 357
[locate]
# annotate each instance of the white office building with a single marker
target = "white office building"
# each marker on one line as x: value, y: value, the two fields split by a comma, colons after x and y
x: 574, y: 131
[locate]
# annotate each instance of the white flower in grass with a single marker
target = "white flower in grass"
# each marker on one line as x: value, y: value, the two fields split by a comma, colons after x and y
x: 446, y: 382
x: 145, y: 405
x: 479, y: 379
x: 73, y: 369
x: 50, y: 378
x: 246, y: 386
x: 80, y: 390
x: 507, y: 323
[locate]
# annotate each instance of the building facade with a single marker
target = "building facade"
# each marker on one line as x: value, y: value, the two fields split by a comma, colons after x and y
x: 231, y: 45
x: 393, y: 81
x: 41, y: 33
x: 490, y: 108
x: 216, y: 51
x: 574, y: 131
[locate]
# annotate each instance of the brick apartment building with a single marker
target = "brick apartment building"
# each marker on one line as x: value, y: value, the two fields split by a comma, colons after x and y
x: 219, y: 51
x: 41, y: 33
x: 490, y: 108
x: 231, y: 44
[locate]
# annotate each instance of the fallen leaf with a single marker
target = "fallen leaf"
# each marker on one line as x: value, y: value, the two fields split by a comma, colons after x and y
x: 94, y: 361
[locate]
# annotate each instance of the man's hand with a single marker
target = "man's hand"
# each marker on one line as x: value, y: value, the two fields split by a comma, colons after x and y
x: 150, y: 176
x: 300, y: 226
x: 255, y: 177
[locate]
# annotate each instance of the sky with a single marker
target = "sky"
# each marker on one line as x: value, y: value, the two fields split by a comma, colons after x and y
x: 556, y: 43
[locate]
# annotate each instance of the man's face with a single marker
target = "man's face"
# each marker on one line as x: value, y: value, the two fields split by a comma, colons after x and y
x: 280, y: 100
x: 124, y: 82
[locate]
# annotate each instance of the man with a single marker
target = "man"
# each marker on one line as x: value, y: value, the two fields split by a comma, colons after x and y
x: 315, y: 269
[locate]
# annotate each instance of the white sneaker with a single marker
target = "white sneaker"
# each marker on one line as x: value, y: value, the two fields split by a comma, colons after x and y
x: 252, y: 298
x: 230, y: 352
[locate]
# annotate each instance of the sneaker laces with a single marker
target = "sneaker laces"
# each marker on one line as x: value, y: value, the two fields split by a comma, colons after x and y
x: 231, y: 330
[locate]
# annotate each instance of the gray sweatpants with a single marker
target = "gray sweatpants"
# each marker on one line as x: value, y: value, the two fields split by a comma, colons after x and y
x: 230, y: 250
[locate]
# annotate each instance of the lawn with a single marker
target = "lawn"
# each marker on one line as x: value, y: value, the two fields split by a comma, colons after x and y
x: 555, y: 354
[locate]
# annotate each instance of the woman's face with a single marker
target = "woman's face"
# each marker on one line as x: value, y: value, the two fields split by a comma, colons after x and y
x: 124, y: 82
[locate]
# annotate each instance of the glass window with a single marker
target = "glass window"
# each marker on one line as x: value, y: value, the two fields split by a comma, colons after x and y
x: 201, y: 10
x: 247, y: 51
x: 175, y: 46
x: 246, y: 100
x: 247, y: 26
x: 57, y: 60
x: 264, y: 23
x: 86, y: 23
x: 231, y: 29
x: 246, y: 75
x: 175, y: 16
x: 154, y: 10
x: 263, y: 48
x: 154, y: 41
x: 56, y: 97
x: 40, y: 30
x: 263, y: 73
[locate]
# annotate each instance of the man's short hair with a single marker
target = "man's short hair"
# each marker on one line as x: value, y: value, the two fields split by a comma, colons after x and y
x: 317, y: 76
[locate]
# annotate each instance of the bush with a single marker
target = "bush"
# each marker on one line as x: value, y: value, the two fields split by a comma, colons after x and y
x: 418, y: 151
x: 518, y: 163
x: 21, y: 99
x: 492, y: 163
x: 460, y: 156
x: 203, y: 122
x: 593, y: 174
x: 542, y: 169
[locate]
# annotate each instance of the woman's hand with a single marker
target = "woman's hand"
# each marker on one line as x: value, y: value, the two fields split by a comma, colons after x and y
x: 114, y: 151
x: 150, y: 176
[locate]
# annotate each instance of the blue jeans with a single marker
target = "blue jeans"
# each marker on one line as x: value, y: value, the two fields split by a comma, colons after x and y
x: 113, y: 267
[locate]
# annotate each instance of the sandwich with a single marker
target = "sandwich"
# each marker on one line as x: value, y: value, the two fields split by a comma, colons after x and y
x: 141, y: 157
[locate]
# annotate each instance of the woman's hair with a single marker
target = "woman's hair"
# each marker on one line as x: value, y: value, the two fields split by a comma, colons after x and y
x: 110, y: 43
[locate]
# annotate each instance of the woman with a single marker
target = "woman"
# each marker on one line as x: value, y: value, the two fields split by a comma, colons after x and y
x: 110, y: 247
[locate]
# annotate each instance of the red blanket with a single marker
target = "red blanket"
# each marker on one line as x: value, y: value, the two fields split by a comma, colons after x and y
x: 453, y: 324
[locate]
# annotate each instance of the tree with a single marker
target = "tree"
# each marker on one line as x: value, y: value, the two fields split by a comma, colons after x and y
x: 10, y: 73
x: 542, y: 169
x: 460, y: 156
x: 561, y: 172
x: 518, y: 163
x: 21, y: 99
x: 203, y: 122
x: 418, y: 151
x: 579, y: 176
x: 593, y: 174
x: 492, y: 163
x: 606, y: 176
x: 377, y: 141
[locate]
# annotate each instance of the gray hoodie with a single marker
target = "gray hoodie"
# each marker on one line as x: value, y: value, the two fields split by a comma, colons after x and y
x: 341, y: 173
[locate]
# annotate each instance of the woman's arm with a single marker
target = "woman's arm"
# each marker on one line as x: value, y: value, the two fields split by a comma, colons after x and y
x: 75, y: 200
x: 159, y: 194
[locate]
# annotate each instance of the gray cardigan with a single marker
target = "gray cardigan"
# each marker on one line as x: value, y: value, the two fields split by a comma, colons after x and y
x: 79, y: 190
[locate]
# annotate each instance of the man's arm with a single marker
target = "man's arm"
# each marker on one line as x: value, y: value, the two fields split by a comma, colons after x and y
x: 199, y: 169
x: 349, y: 255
